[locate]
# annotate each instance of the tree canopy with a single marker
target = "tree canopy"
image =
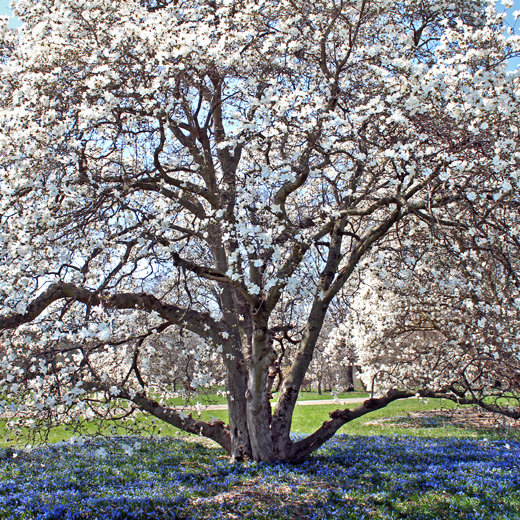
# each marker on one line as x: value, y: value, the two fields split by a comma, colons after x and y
x: 234, y: 169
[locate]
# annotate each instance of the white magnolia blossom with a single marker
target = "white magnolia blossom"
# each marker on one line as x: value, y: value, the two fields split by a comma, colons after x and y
x: 206, y: 183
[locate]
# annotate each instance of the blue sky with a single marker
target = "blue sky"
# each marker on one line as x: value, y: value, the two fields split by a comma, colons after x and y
x: 5, y: 10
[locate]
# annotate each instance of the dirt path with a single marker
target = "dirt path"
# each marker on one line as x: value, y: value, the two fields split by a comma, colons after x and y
x: 298, y: 403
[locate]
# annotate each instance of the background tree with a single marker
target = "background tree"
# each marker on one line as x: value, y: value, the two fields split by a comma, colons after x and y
x: 446, y: 316
x: 256, y: 152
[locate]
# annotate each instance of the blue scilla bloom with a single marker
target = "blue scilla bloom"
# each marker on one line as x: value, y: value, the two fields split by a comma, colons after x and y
x: 347, y: 477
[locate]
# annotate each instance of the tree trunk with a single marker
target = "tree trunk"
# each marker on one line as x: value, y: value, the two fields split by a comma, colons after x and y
x: 240, y: 443
x: 319, y: 385
x: 349, y: 379
x: 257, y: 395
x: 235, y: 363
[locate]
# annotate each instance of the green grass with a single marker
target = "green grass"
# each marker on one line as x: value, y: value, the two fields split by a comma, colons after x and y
x: 212, y: 397
x: 314, y: 396
x: 306, y: 419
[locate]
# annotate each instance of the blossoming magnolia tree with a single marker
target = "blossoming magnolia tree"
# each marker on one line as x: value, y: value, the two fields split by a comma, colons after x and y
x: 444, y: 315
x: 204, y: 162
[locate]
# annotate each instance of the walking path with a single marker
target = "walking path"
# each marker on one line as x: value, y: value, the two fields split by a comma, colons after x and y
x: 298, y: 403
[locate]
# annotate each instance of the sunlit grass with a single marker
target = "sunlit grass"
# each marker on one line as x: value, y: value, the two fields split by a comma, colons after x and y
x: 214, y: 397
x: 306, y: 419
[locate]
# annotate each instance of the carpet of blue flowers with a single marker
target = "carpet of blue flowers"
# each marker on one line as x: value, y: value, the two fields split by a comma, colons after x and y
x: 350, y: 477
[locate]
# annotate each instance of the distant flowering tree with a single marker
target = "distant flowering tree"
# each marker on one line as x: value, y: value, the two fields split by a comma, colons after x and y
x: 203, y: 163
x: 445, y: 315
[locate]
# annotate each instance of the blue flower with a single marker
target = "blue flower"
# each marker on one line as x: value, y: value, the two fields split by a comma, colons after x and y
x: 349, y: 477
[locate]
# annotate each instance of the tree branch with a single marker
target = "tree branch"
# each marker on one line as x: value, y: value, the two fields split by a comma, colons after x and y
x: 198, y: 322
x: 212, y: 274
x: 217, y: 431
x: 338, y: 418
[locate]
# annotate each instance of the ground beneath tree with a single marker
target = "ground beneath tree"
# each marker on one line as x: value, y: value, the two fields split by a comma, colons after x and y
x: 459, y: 417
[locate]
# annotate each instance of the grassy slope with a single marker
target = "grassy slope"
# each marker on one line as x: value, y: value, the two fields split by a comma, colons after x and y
x: 308, y: 418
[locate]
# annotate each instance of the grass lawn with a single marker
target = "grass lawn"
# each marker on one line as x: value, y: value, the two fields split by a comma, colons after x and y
x: 314, y: 396
x: 375, y: 469
x: 307, y: 419
x: 216, y: 398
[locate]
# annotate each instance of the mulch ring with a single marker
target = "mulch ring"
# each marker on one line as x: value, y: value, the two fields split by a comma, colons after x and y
x: 459, y: 417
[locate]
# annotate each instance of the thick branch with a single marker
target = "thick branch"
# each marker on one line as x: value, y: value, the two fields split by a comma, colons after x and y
x: 54, y: 293
x: 198, y: 322
x: 211, y: 274
x: 367, y: 241
x: 338, y: 418
x: 292, y: 263
x: 217, y: 431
